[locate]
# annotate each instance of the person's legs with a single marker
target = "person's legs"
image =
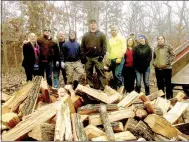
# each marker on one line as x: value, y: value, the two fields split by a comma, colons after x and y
x: 49, y: 68
x: 129, y: 78
x: 99, y: 66
x: 56, y: 72
x: 146, y: 80
x: 28, y: 72
x: 160, y: 79
x: 118, y: 73
x: 112, y: 67
x: 169, y: 89
x: 138, y: 81
x: 89, y: 71
x: 69, y: 72
x: 64, y: 76
x: 80, y: 71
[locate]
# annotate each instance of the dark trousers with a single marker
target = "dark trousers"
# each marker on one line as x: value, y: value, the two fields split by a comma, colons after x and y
x: 129, y: 78
x: 163, y: 78
x: 47, y: 67
x: 30, y: 72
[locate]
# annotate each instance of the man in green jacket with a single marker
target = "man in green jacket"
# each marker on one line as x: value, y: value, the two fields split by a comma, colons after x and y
x: 93, y: 49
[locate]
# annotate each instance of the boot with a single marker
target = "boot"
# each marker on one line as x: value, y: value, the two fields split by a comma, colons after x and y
x: 147, y: 90
x: 137, y: 89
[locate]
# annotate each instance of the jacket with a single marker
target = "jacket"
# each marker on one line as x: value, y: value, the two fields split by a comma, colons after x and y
x: 93, y: 44
x: 163, y: 56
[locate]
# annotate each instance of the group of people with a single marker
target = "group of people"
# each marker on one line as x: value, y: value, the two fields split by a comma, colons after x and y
x: 129, y: 59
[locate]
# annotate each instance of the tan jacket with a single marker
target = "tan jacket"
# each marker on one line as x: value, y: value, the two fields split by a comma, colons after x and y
x: 163, y: 56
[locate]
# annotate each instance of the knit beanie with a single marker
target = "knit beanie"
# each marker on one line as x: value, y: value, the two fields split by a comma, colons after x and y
x: 142, y: 36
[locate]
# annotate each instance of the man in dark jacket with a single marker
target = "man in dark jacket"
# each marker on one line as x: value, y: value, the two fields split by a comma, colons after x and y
x: 58, y: 64
x: 75, y: 72
x: 93, y: 49
x: 49, y: 52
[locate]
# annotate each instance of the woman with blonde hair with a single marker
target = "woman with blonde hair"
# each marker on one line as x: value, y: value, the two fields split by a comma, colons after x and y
x: 128, y: 68
x: 31, y: 53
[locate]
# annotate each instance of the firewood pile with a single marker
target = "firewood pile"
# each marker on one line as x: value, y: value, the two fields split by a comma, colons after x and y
x: 36, y: 112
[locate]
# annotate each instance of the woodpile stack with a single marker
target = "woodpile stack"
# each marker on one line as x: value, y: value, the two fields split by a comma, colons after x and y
x: 36, y: 112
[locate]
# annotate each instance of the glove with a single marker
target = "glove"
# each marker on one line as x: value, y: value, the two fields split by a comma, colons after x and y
x: 100, y: 58
x: 84, y: 60
x: 118, y: 60
x: 62, y: 65
x: 57, y: 63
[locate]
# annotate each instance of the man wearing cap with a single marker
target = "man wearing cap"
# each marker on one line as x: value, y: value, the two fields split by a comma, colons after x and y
x: 49, y: 54
x: 93, y: 49
x: 116, y: 51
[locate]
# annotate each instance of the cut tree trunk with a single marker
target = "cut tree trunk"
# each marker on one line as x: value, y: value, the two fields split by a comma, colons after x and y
x: 30, y: 102
x: 144, y: 131
x: 106, y: 123
x: 79, y: 129
x: 130, y: 126
x: 125, y: 102
x: 10, y: 120
x: 176, y: 111
x: 43, y: 132
x: 97, y: 94
x: 122, y: 136
x: 94, y: 108
x: 113, y: 116
x: 93, y: 132
x: 161, y: 126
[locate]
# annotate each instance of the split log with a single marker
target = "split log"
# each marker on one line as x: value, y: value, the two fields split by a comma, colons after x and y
x: 40, y: 104
x: 78, y: 129
x: 164, y: 104
x: 160, y: 138
x: 141, y: 139
x: 180, y: 96
x: 183, y: 127
x: 60, y: 123
x: 84, y: 117
x: 117, y: 126
x: 113, y: 116
x: 94, y: 108
x: 29, y: 122
x: 149, y: 107
x: 30, y: 102
x: 97, y: 94
x: 63, y: 94
x: 45, y: 92
x: 157, y: 110
x: 125, y: 102
x: 161, y: 126
x: 130, y: 126
x: 176, y: 111
x: 43, y: 132
x: 106, y: 123
x: 53, y: 98
x: 3, y: 127
x: 10, y: 120
x: 67, y: 119
x: 141, y: 113
x: 4, y: 97
x: 110, y: 91
x: 93, y: 132
x: 144, y: 131
x: 122, y: 136
x: 77, y: 101
x: 20, y: 93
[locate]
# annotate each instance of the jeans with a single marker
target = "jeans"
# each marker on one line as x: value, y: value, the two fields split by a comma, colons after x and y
x: 56, y: 73
x: 146, y: 76
x: 117, y: 72
x: 47, y: 68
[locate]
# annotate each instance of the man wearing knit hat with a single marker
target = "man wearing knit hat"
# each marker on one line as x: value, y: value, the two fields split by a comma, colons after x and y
x: 116, y: 51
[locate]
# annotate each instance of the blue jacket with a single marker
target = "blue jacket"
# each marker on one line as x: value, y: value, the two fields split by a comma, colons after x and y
x: 71, y: 51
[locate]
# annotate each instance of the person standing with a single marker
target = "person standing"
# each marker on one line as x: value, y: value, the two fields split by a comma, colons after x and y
x: 71, y: 57
x: 163, y: 57
x: 128, y: 69
x: 48, y: 50
x: 142, y: 56
x: 116, y: 51
x: 59, y: 65
x: 31, y: 53
x: 93, y: 49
